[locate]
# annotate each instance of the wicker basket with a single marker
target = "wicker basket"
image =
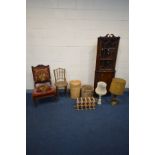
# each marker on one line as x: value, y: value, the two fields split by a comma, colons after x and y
x: 87, y: 91
x: 75, y: 86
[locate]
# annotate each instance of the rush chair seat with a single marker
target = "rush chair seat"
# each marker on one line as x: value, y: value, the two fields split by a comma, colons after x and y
x: 42, y: 83
x: 60, y: 79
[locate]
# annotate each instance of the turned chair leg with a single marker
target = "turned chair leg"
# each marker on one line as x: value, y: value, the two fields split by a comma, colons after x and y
x: 65, y: 89
x: 57, y: 91
x: 35, y: 102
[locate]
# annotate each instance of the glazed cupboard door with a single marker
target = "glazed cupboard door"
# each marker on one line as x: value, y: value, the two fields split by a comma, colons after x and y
x: 107, y: 48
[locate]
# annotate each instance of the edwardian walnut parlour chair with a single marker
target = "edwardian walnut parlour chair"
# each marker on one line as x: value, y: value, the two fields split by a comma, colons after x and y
x: 60, y: 79
x: 42, y: 82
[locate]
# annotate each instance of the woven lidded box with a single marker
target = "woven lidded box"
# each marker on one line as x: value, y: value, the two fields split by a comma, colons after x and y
x: 75, y: 86
x: 87, y: 91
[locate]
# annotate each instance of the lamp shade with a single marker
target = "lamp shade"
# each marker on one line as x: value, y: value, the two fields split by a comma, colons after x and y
x: 117, y: 86
x: 101, y: 88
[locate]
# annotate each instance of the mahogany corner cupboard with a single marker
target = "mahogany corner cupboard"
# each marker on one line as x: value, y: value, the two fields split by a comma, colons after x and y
x: 107, y: 48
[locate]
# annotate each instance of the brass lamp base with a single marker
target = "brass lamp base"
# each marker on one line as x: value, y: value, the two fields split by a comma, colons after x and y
x: 114, y: 100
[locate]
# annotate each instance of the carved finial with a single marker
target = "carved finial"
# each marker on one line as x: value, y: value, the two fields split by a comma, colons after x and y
x: 110, y: 35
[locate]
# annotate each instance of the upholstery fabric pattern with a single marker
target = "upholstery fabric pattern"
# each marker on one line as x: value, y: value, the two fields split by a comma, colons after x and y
x: 46, y: 90
x: 43, y: 88
x: 41, y: 75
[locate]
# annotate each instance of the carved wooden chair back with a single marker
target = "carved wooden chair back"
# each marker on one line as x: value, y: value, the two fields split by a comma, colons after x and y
x: 41, y: 74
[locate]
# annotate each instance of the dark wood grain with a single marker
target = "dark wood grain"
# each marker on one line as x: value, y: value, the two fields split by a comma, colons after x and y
x: 107, y: 48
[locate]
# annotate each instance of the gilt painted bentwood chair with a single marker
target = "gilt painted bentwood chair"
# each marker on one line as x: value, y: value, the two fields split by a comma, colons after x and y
x: 60, y: 79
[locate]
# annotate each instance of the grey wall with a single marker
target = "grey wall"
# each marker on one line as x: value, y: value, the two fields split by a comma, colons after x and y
x: 63, y: 33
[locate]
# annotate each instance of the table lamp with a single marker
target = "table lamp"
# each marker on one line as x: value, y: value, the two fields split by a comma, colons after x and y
x: 117, y: 88
x: 100, y: 90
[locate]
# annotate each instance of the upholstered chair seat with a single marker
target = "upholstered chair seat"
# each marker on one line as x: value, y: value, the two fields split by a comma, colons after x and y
x: 43, y: 90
